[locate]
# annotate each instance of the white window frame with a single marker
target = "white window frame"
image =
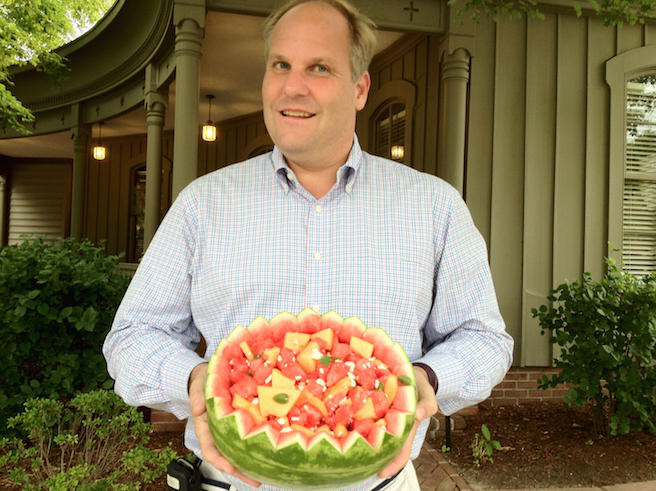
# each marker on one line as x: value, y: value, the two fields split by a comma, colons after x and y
x: 619, y: 70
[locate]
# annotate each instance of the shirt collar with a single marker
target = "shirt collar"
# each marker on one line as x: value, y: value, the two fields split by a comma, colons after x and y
x: 346, y: 174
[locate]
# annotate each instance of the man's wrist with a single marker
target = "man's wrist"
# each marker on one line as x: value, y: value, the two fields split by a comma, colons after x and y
x: 193, y: 374
x: 432, y: 378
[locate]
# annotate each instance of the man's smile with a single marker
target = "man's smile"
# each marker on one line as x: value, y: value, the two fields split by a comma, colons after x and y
x: 297, y: 114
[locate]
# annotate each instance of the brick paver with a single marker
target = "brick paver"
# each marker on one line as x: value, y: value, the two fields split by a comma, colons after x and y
x: 436, y: 474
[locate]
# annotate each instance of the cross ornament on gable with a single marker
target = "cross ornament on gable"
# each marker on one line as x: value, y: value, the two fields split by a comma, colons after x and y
x: 411, y: 9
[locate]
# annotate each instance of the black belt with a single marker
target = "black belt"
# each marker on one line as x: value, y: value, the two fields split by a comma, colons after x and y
x: 222, y: 485
x: 387, y: 481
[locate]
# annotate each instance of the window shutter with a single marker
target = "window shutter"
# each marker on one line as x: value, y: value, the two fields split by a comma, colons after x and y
x: 639, y: 212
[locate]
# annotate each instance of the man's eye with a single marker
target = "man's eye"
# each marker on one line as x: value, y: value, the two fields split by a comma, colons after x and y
x: 321, y: 68
x: 281, y: 65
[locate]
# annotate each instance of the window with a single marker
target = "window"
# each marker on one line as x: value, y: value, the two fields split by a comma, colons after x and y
x: 631, y: 76
x: 639, y: 207
x: 389, y: 132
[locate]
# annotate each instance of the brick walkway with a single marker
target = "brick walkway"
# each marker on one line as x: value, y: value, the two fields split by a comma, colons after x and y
x: 436, y: 474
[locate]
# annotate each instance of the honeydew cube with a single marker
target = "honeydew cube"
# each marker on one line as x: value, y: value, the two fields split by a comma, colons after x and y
x: 271, y: 354
x: 296, y: 341
x: 340, y: 430
x: 280, y: 381
x: 272, y: 400
x: 256, y: 414
x: 361, y: 347
x: 247, y: 350
x: 391, y: 388
x: 239, y: 402
x: 327, y: 335
x: 309, y: 357
x: 366, y: 411
x: 342, y: 385
x: 316, y: 402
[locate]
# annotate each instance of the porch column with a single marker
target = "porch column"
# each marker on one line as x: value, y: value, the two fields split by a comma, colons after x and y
x: 80, y: 135
x: 189, y: 20
x: 456, y: 79
x: 156, y: 103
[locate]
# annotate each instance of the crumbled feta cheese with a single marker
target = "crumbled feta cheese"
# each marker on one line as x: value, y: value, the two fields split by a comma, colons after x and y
x: 256, y: 401
x: 373, y: 358
x: 321, y: 370
x: 321, y: 381
x: 376, y: 384
x: 350, y: 365
x: 316, y: 354
x: 295, y: 418
x: 298, y: 377
x: 268, y: 379
x: 295, y: 341
x: 279, y: 358
x: 281, y: 421
x: 286, y: 429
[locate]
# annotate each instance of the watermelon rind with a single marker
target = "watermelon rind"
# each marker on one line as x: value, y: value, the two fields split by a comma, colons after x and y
x: 320, y: 467
x: 292, y: 460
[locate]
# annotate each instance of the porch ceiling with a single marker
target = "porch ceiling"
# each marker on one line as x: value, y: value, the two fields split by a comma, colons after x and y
x: 232, y: 68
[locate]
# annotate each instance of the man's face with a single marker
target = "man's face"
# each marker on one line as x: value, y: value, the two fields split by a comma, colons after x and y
x: 310, y: 100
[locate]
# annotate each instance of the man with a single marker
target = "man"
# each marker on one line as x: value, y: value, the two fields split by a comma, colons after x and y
x: 316, y: 223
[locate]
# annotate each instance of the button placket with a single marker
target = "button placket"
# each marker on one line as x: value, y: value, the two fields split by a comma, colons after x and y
x: 318, y: 238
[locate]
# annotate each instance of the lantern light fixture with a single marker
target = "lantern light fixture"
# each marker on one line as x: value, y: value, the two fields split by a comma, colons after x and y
x: 398, y: 152
x: 99, y: 152
x: 209, y: 128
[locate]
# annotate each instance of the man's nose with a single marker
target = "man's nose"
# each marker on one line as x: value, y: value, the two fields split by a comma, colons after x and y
x: 296, y: 83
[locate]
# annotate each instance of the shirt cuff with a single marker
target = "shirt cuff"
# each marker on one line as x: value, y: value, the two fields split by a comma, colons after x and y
x: 448, y: 372
x: 175, y: 377
x: 432, y: 378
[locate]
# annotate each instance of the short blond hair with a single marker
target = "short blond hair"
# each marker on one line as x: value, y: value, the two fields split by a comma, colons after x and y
x: 363, y: 32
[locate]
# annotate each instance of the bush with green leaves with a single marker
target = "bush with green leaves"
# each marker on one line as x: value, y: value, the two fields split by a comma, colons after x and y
x: 57, y: 302
x: 607, y: 333
x: 95, y: 442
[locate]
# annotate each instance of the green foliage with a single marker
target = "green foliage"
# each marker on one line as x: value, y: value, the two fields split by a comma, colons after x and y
x: 611, y: 12
x: 57, y: 302
x: 606, y: 330
x: 483, y: 447
x: 95, y: 443
x: 29, y: 31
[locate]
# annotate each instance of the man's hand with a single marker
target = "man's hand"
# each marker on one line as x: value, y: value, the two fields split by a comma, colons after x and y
x: 426, y: 407
x: 202, y: 429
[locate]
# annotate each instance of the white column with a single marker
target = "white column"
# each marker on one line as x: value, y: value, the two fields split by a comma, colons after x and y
x: 456, y: 79
x: 156, y: 103
x: 189, y: 19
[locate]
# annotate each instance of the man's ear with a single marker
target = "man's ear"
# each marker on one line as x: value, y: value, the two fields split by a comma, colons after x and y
x: 362, y: 90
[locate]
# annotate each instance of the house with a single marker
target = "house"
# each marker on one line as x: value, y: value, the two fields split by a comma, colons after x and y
x: 547, y: 127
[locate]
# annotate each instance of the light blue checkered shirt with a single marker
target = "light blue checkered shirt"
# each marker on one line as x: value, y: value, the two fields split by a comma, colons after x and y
x: 388, y: 244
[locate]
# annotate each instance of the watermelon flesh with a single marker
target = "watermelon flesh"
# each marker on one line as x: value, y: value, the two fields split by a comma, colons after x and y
x: 310, y: 402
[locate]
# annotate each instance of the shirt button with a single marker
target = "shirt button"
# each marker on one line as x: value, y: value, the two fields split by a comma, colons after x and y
x: 317, y: 256
x: 318, y: 208
x: 315, y: 308
x: 290, y: 176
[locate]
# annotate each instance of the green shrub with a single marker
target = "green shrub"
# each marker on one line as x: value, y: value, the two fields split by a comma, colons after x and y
x: 57, y: 302
x: 96, y: 443
x: 607, y: 331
